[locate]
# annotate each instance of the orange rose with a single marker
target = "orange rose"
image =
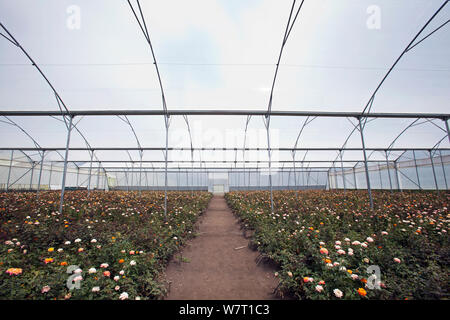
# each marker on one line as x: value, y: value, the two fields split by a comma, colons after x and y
x: 362, y: 292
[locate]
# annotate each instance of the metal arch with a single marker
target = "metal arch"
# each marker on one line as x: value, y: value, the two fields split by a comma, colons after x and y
x: 349, y: 136
x: 141, y: 152
x: 412, y: 124
x: 434, y: 148
x: 127, y: 121
x: 266, y: 120
x: 301, y: 130
x: 296, y: 144
x: 75, y: 126
x: 186, y: 120
x: 60, y: 103
x: 58, y: 98
x: 431, y: 33
x: 408, y: 47
x: 245, y: 140
x: 15, y: 124
x: 90, y: 149
x: 437, y: 126
x: 287, y: 32
x: 371, y: 100
x: 144, y: 29
x: 41, y: 152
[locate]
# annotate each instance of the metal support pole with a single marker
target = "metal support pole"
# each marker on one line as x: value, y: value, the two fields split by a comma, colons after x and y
x: 335, y: 180
x: 90, y: 173
x: 417, y: 170
x: 63, y: 185
x: 126, y: 179
x: 379, y: 173
x: 307, y: 179
x: 397, y: 175
x: 259, y: 180
x: 270, y: 161
x: 434, y: 172
x: 9, y: 170
x: 365, y: 164
x: 104, y: 179
x: 40, y: 174
x: 192, y: 177
x: 78, y: 174
x: 187, y: 180
x: 289, y: 178
x: 98, y: 176
x: 354, y: 178
x: 443, y: 169
x: 342, y: 171
x: 295, y: 174
x: 166, y: 156
x: 50, y: 176
x: 140, y: 173
x: 389, y: 172
x: 328, y: 181
x: 448, y: 131
x: 132, y: 176
x: 32, y: 173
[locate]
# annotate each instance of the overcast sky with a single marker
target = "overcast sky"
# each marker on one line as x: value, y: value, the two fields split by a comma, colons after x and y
x: 221, y: 54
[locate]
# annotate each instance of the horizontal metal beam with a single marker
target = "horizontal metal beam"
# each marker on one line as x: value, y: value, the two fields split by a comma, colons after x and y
x: 209, y: 169
x: 214, y: 161
x: 214, y: 149
x: 74, y: 113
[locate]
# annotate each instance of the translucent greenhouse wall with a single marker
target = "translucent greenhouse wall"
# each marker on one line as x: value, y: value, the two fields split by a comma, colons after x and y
x: 284, y: 179
x: 411, y: 171
x: 29, y: 176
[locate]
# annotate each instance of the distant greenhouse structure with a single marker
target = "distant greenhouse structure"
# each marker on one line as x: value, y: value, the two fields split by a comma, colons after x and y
x: 265, y: 154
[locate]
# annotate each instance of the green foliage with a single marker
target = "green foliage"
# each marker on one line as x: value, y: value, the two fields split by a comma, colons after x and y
x: 409, y: 226
x: 124, y: 230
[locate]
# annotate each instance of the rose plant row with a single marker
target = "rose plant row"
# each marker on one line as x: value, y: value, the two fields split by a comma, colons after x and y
x: 330, y: 245
x: 109, y: 245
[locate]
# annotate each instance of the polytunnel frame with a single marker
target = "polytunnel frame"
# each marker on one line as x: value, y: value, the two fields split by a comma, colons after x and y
x: 359, y: 116
x: 266, y: 116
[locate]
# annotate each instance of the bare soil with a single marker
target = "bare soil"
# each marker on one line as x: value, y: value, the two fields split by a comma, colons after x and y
x: 217, y: 264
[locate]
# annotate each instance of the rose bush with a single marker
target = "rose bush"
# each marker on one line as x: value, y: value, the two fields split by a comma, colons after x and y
x: 333, y: 237
x: 119, y: 242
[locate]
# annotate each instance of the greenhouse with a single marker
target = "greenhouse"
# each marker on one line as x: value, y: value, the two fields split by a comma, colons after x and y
x: 131, y: 125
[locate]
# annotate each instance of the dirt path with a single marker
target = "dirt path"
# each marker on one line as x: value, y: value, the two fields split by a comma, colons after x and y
x: 214, y: 269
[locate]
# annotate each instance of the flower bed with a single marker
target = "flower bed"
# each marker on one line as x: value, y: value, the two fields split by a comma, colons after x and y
x: 324, y: 242
x: 111, y: 245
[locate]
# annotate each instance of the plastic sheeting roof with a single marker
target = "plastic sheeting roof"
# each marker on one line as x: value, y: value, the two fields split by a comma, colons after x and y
x: 222, y: 55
